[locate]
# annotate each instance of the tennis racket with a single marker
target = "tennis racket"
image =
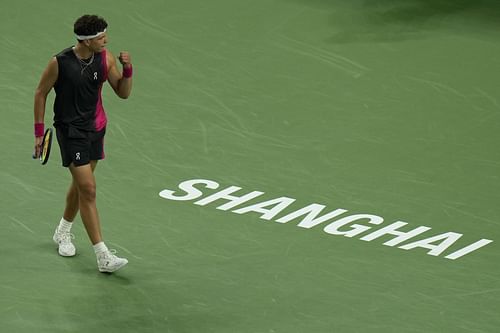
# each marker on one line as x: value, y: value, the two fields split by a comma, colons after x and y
x: 45, y: 146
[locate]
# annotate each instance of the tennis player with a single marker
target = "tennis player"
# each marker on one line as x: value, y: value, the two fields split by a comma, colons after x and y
x: 77, y: 75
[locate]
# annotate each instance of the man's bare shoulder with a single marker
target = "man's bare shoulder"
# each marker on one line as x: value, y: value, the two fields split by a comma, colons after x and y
x: 52, y: 61
x: 110, y: 59
x: 52, y: 66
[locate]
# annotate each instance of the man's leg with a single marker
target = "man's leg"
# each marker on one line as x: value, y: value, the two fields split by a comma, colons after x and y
x: 84, y: 183
x: 73, y: 199
x: 62, y: 235
x: 72, y: 205
x: 84, y: 180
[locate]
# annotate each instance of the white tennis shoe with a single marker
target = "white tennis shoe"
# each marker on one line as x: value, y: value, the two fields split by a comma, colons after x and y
x: 107, y: 262
x: 65, y: 246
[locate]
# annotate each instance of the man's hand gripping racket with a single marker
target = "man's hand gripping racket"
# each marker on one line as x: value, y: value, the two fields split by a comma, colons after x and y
x: 42, y: 146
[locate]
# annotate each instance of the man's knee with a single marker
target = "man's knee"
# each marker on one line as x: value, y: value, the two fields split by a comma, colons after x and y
x: 87, y: 191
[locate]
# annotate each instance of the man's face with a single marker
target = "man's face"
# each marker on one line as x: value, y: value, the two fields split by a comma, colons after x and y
x: 99, y: 43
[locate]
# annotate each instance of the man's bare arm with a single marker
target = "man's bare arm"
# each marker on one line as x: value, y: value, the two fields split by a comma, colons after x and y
x: 121, y: 84
x: 47, y: 81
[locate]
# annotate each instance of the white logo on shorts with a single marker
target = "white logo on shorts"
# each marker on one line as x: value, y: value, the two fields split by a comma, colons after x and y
x: 77, y: 156
x: 95, y: 75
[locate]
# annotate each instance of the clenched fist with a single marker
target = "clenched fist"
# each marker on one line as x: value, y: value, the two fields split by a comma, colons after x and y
x: 124, y: 58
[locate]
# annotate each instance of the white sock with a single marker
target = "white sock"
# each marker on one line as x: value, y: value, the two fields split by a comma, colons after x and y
x: 64, y: 226
x: 100, y: 248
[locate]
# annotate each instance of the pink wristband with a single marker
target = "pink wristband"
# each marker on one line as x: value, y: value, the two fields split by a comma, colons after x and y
x: 39, y: 129
x: 127, y: 72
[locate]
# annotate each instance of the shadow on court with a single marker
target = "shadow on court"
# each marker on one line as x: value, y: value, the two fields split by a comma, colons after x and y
x: 395, y: 21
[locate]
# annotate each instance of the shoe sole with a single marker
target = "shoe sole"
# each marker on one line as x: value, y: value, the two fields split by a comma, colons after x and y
x: 107, y: 270
x: 66, y: 255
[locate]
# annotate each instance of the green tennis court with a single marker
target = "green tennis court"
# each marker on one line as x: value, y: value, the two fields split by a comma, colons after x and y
x: 281, y: 166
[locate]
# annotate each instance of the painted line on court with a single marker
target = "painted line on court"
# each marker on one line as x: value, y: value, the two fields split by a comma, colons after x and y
x: 339, y: 222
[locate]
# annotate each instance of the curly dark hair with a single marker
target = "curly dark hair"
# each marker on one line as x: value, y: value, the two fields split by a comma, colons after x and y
x: 89, y: 25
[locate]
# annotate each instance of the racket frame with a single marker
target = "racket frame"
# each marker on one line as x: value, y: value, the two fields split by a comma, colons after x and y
x: 45, y: 146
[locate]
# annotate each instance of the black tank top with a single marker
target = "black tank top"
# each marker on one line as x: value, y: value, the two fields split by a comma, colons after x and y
x: 78, y: 102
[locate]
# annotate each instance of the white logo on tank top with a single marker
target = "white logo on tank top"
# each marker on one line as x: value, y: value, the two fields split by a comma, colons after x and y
x: 95, y: 75
x: 77, y: 156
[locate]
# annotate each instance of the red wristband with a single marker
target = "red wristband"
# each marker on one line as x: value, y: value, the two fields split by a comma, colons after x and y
x: 39, y: 129
x: 127, y: 72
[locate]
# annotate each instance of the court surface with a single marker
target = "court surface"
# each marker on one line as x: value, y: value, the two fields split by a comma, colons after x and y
x: 388, y: 110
